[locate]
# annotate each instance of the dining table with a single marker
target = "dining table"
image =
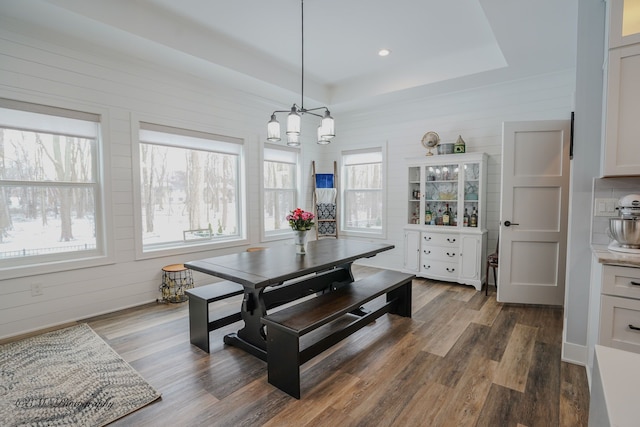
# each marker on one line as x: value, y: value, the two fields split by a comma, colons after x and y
x: 278, y: 275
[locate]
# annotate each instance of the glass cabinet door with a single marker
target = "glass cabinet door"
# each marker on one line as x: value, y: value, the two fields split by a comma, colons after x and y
x: 630, y: 18
x: 441, y: 194
x: 624, y: 23
x: 414, y: 196
x: 471, y: 184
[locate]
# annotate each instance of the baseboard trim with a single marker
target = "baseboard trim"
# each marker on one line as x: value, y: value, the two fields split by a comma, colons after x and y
x: 574, y: 353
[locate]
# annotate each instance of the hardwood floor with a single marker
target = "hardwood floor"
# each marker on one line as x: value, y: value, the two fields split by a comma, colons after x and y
x: 462, y: 360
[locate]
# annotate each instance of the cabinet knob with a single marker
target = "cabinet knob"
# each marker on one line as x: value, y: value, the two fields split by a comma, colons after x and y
x: 451, y: 270
x: 635, y: 328
x: 635, y: 283
x: 427, y: 252
x: 450, y: 240
x: 427, y: 238
x: 426, y: 267
x: 451, y: 255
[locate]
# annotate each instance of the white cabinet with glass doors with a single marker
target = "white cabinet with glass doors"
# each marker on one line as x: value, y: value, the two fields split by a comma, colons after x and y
x: 445, y: 204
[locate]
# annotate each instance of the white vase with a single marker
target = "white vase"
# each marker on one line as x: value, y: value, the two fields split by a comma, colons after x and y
x: 300, y: 240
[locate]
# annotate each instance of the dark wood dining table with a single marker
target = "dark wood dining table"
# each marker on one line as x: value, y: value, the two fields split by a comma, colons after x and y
x: 277, y: 276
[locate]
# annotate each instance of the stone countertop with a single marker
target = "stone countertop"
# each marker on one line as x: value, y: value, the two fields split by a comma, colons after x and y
x: 606, y: 256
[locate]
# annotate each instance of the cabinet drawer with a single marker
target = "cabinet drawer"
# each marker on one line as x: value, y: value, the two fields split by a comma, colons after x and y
x: 440, y: 253
x: 618, y: 319
x: 438, y: 239
x: 440, y: 268
x: 621, y: 281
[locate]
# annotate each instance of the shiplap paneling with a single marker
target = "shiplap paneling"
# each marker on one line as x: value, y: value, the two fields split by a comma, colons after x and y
x: 43, y: 72
x: 38, y: 71
x: 477, y: 115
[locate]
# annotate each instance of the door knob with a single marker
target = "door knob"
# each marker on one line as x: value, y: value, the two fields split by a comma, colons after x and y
x: 508, y: 223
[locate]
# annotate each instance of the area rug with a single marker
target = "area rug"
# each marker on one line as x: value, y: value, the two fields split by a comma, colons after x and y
x: 68, y: 377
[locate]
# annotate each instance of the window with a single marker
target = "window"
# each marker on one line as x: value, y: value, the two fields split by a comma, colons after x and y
x: 189, y: 187
x: 280, y: 178
x: 362, y: 191
x: 49, y: 185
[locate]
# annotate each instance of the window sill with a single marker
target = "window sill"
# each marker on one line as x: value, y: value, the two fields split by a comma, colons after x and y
x: 160, y: 252
x: 38, y: 268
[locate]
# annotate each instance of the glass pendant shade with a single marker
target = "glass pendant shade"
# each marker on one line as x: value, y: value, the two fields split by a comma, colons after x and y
x: 273, y: 129
x: 326, y: 130
x: 293, y: 122
x: 322, y: 140
x: 293, y: 139
x: 328, y: 126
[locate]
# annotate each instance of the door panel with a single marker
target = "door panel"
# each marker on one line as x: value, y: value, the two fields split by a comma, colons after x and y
x: 530, y: 273
x: 548, y: 201
x: 537, y: 154
x: 470, y: 252
x: 533, y: 212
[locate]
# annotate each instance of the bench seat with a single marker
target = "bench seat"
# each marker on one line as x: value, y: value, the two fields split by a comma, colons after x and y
x: 199, y: 299
x: 287, y: 326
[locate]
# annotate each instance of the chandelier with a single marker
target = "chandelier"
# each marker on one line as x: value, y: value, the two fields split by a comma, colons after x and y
x: 325, y: 130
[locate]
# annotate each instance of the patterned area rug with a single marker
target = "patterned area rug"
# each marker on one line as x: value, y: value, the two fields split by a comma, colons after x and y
x: 67, y: 377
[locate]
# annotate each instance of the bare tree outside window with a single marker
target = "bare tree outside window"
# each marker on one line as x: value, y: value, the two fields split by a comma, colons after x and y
x: 47, y: 193
x: 279, y: 194
x: 363, y: 191
x: 187, y: 194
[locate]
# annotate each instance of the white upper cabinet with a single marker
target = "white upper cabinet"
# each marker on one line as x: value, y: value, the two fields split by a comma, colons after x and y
x: 621, y: 147
x: 624, y: 22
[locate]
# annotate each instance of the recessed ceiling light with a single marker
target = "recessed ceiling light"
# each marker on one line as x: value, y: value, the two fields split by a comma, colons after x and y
x: 384, y: 52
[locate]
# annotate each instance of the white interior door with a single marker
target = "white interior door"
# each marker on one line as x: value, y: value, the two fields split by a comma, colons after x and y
x: 533, y: 212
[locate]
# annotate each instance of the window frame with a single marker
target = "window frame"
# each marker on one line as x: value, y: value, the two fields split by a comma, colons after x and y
x: 189, y: 130
x: 362, y: 232
x: 103, y: 253
x: 283, y: 233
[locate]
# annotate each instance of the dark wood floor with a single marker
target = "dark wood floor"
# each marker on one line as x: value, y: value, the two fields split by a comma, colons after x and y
x: 462, y: 360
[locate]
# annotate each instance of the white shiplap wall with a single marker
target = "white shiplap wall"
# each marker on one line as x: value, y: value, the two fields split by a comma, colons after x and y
x: 476, y: 114
x: 121, y: 88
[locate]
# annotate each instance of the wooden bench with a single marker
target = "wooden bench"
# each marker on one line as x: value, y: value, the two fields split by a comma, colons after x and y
x: 199, y: 299
x: 287, y: 326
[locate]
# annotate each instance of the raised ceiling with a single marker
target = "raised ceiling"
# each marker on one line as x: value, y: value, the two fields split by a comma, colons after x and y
x: 254, y: 45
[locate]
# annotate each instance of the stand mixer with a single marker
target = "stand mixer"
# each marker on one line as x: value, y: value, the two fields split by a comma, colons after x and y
x: 625, y: 229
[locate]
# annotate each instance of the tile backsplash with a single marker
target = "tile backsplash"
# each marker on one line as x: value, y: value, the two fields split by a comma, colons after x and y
x: 609, y: 188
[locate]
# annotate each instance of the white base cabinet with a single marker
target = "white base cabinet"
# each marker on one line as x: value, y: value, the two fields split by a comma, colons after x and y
x: 620, y: 308
x: 412, y: 250
x: 448, y: 254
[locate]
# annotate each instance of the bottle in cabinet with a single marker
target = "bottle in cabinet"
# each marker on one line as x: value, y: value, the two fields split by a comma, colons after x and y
x: 446, y: 216
x: 465, y: 220
x: 455, y: 219
x: 427, y: 215
x: 473, y: 221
